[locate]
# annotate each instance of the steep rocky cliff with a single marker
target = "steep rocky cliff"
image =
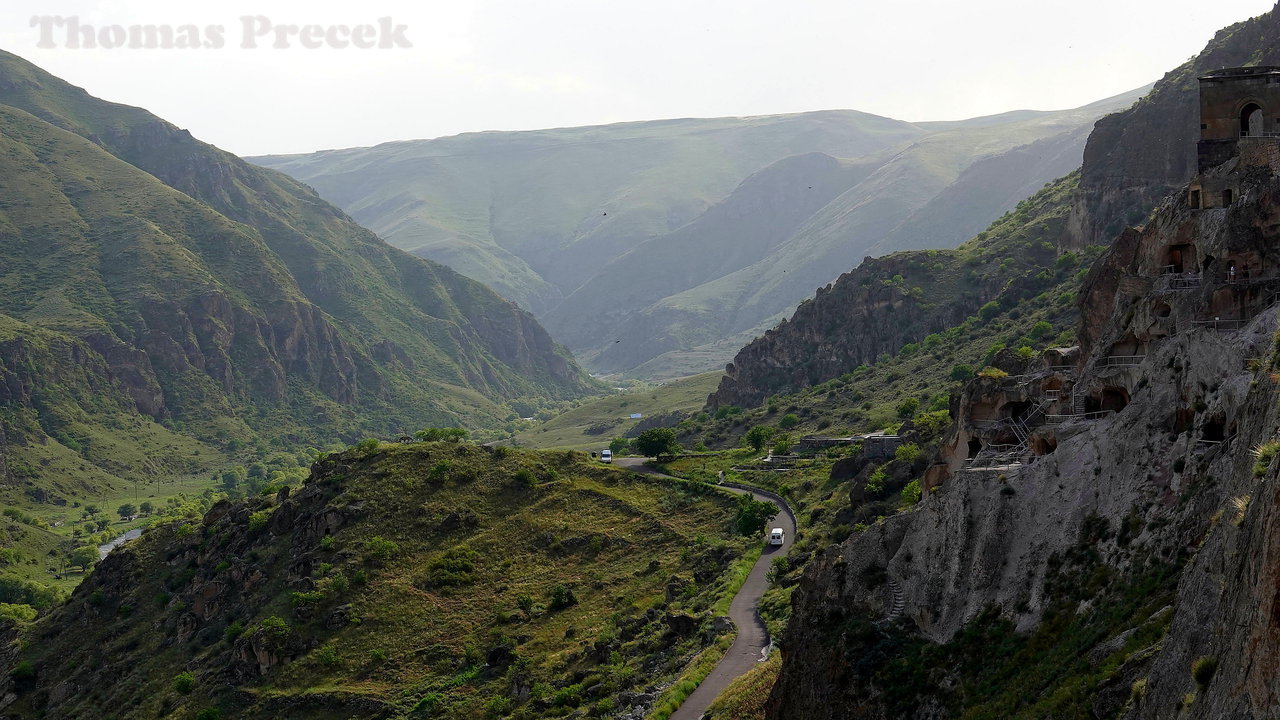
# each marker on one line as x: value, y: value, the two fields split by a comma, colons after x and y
x: 1096, y: 539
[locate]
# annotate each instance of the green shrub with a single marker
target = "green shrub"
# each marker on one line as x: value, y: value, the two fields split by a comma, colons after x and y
x: 1026, y: 353
x: 788, y: 421
x: 275, y: 629
x: 259, y: 520
x: 1265, y: 453
x: 497, y: 707
x: 960, y: 373
x: 728, y: 411
x: 328, y: 656
x: 561, y: 597
x: 782, y: 446
x: 988, y: 311
x: 911, y: 493
x: 908, y: 408
x: 875, y: 483
x: 752, y: 514
x: 908, y: 453
x: 452, y: 569
x: 993, y: 373
x: 758, y: 436
x: 24, y: 670
x: 1203, y: 669
x: 209, y: 714
x: 449, y: 434
x: 367, y: 446
x: 17, y: 612
x: 656, y: 442
x: 931, y: 424
x: 306, y: 597
x: 524, y: 478
x: 184, y: 682
x: 378, y: 550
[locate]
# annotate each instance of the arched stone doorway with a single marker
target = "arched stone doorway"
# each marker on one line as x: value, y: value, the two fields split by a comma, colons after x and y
x: 1251, y: 120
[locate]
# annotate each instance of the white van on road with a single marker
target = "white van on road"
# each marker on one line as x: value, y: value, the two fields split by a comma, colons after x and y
x: 776, y: 536
x: 606, y: 456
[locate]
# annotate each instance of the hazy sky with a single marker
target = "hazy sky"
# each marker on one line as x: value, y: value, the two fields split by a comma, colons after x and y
x: 523, y: 64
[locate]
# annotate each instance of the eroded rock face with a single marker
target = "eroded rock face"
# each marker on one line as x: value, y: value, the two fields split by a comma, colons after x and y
x: 853, y: 321
x: 1166, y: 459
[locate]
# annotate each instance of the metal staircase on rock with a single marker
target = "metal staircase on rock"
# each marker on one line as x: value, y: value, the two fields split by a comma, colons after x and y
x: 897, y: 605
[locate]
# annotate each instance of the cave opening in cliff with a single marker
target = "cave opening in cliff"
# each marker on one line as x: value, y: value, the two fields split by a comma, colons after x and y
x: 975, y: 447
x: 1016, y: 409
x: 1181, y: 420
x: 1113, y: 398
x: 1128, y: 346
x: 1044, y: 444
x: 1161, y: 310
x: 1215, y: 430
x: 1251, y: 120
x: 1177, y: 258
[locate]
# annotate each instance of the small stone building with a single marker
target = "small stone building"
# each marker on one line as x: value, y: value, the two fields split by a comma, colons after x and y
x: 1239, y: 117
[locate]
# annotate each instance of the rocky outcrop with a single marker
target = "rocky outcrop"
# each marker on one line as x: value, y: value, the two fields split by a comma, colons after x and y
x: 865, y: 315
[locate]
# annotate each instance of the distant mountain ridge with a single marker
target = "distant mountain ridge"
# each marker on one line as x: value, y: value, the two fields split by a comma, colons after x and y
x: 664, y: 243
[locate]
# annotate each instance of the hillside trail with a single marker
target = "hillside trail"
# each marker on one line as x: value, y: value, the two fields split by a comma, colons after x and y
x: 752, y: 642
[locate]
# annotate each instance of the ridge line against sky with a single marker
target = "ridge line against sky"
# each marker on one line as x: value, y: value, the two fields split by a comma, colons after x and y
x: 511, y: 65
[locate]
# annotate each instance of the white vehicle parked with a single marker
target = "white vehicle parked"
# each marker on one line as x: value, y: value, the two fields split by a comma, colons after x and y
x: 776, y: 536
x: 606, y: 456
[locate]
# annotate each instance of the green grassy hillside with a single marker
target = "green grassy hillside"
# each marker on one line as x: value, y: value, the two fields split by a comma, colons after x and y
x: 592, y: 424
x: 424, y: 580
x: 168, y: 312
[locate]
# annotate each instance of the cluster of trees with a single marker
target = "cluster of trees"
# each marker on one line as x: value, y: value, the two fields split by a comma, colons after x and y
x: 753, y: 515
x: 447, y: 434
x: 759, y: 437
x: 261, y: 476
x: 657, y: 442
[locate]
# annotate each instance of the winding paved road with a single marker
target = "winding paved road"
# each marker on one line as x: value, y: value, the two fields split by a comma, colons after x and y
x: 748, y: 648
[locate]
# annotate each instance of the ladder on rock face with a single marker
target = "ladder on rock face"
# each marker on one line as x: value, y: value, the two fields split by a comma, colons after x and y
x: 1078, y: 402
x: 898, y: 604
x: 1021, y: 431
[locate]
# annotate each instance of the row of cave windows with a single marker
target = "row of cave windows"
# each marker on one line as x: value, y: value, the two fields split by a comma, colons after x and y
x: 1182, y: 258
x: 1116, y: 399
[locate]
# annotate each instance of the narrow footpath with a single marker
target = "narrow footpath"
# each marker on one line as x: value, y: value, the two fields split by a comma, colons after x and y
x: 752, y: 641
